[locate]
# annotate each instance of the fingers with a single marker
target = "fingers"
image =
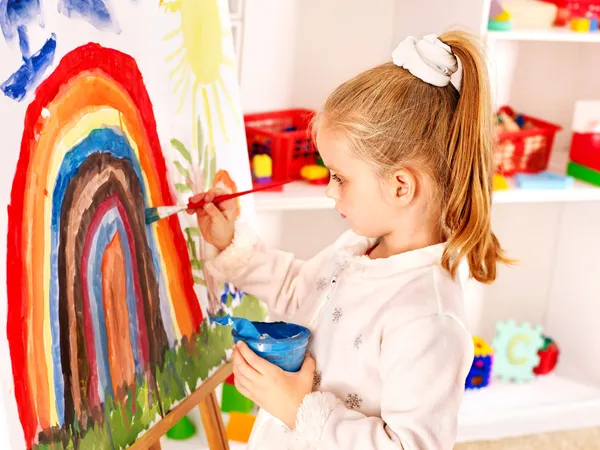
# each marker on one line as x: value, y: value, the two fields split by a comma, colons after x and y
x: 213, y: 212
x: 208, y: 197
x: 229, y: 209
x: 195, y: 199
x: 259, y: 364
x: 242, y: 366
x: 242, y: 383
x: 245, y: 376
x: 212, y: 193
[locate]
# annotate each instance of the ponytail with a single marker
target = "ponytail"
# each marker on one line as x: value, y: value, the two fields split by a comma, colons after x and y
x: 469, y: 198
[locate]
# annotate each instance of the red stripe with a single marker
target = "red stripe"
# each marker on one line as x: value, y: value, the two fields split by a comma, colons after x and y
x: 90, y: 346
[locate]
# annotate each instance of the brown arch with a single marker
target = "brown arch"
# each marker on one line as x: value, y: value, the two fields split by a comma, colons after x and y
x: 99, y: 177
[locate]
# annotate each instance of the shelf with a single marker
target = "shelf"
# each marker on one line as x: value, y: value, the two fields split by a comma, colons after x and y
x: 548, y: 403
x: 579, y: 192
x: 300, y: 196
x: 552, y: 34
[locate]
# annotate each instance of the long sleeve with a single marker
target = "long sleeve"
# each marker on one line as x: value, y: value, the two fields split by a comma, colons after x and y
x: 275, y: 277
x: 423, y: 368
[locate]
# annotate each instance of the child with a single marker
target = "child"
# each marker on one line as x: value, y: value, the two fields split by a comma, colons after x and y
x: 410, y: 162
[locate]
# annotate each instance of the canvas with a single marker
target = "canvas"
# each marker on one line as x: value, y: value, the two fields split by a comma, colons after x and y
x: 108, y: 108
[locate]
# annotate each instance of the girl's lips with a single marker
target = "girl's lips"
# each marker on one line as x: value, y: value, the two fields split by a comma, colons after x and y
x: 343, y: 216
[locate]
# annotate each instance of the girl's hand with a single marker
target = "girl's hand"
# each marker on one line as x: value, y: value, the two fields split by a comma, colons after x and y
x: 216, y: 222
x: 278, y: 392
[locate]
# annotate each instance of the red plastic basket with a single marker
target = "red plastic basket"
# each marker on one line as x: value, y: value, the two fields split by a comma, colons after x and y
x: 585, y: 150
x: 285, y: 137
x: 578, y: 8
x: 526, y: 150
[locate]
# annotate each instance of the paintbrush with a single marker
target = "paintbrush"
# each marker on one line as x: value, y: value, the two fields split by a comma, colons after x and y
x: 160, y: 212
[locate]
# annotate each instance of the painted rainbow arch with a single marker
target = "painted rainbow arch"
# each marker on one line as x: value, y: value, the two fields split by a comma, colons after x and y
x: 95, y: 296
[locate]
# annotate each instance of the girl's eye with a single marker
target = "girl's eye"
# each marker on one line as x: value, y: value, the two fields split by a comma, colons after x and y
x: 337, y: 178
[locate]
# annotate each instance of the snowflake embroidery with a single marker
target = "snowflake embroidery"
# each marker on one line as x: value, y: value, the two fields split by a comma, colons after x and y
x: 337, y: 314
x: 317, y: 378
x: 321, y: 283
x: 358, y: 340
x: 343, y: 265
x: 353, y: 401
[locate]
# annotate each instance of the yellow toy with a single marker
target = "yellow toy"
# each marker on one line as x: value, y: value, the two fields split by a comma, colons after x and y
x: 262, y: 168
x: 315, y: 174
x: 580, y: 24
x: 499, y: 183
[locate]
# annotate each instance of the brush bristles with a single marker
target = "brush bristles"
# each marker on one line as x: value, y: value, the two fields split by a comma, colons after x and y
x: 154, y: 214
x: 151, y: 215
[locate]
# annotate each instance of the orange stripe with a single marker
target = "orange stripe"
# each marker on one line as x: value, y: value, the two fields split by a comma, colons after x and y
x: 91, y: 88
x: 114, y: 289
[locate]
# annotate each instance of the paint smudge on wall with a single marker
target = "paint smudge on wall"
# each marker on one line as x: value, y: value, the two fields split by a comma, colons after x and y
x: 17, y: 13
x: 103, y: 320
x: 33, y: 68
x: 95, y: 12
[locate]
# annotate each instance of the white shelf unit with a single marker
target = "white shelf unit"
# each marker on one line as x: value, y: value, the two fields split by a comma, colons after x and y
x: 508, y: 409
x: 553, y: 234
x: 301, y: 196
x: 551, y: 35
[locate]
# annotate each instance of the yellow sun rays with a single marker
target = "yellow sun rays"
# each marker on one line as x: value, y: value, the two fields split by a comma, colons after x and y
x: 198, y: 65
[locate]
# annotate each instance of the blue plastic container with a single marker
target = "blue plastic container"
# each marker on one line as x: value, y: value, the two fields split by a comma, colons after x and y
x: 285, y: 345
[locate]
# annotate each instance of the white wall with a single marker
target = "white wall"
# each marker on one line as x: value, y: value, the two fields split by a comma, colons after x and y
x: 295, y: 52
x: 421, y: 17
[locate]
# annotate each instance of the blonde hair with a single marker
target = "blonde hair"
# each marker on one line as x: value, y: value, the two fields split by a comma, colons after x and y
x: 391, y: 118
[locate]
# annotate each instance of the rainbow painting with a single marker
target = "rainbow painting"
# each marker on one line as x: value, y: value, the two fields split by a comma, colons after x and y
x: 95, y: 296
x: 109, y: 108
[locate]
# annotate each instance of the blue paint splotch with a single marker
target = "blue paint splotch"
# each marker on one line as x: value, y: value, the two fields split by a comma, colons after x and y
x: 18, y: 13
x: 93, y: 11
x: 28, y: 75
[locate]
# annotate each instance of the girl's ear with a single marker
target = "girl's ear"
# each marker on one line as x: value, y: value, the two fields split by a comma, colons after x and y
x: 405, y: 185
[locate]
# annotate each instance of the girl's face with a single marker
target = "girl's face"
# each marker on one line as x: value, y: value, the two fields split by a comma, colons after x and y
x: 361, y: 197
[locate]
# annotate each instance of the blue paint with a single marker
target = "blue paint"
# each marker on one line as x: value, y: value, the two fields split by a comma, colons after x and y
x: 103, y: 237
x: 281, y: 343
x: 15, y: 13
x: 109, y: 141
x: 27, y: 76
x: 23, y: 42
x: 243, y: 327
x: 93, y: 11
x: 235, y: 294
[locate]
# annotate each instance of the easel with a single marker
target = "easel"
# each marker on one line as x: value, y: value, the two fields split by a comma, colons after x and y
x: 210, y: 412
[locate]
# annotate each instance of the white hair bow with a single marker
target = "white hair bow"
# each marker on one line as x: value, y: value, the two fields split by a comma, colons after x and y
x: 427, y: 58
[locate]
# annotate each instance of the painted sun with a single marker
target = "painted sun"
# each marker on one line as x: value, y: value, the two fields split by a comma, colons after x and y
x: 199, y: 62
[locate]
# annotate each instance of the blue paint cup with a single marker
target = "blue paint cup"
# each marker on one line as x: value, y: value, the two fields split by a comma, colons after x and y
x: 281, y: 343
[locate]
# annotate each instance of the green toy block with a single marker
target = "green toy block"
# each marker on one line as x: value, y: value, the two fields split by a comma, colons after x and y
x: 500, y: 25
x: 232, y: 400
x: 182, y: 430
x: 583, y: 173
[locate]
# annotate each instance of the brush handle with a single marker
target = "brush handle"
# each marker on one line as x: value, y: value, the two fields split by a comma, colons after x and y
x: 222, y: 198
